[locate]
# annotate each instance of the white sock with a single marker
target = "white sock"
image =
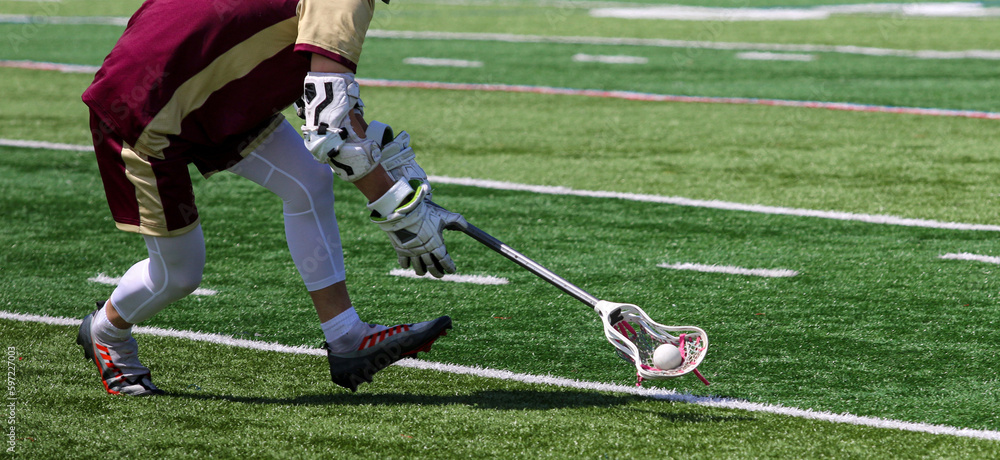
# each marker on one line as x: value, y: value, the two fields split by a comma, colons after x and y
x: 106, y: 332
x: 341, y: 324
x: 344, y: 332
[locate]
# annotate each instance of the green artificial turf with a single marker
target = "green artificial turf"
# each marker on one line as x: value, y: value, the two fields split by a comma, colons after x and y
x: 934, y: 168
x: 228, y: 403
x: 972, y: 84
x: 569, y: 19
x: 872, y: 308
x: 62, y: 43
x: 43, y: 9
x: 898, y: 81
x: 874, y: 324
x: 912, y: 166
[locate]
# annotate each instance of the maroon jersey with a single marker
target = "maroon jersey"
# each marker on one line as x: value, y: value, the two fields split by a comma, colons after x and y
x: 211, y: 73
x: 204, y: 82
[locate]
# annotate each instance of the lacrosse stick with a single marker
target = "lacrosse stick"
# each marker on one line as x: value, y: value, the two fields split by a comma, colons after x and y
x: 629, y: 329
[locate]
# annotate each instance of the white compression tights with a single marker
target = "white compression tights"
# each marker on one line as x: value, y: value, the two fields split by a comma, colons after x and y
x: 282, y: 165
x: 172, y: 271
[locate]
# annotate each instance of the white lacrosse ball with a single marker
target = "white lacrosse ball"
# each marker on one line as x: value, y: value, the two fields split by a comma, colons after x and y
x: 667, y: 356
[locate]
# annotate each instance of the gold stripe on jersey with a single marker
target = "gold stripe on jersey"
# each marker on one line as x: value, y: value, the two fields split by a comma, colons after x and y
x: 152, y: 218
x: 140, y: 173
x: 192, y: 94
x: 336, y: 26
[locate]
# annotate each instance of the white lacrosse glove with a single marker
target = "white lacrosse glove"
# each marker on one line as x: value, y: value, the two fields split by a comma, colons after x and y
x: 327, y: 101
x: 414, y: 225
x: 398, y: 157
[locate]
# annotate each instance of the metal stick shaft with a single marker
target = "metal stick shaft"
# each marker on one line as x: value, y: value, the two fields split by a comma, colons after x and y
x: 530, y: 265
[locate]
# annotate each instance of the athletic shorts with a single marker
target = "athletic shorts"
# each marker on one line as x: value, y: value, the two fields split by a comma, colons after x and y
x: 154, y: 196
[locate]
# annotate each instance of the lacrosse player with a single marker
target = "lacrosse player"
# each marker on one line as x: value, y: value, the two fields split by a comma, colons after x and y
x: 203, y: 83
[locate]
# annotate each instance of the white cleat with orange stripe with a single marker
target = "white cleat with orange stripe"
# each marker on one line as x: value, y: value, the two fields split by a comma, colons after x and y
x: 380, y: 349
x: 117, y: 364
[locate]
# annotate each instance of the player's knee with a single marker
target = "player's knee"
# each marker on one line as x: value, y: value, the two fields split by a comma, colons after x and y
x: 186, y: 282
x: 321, y: 182
x: 183, y: 271
x: 309, y: 190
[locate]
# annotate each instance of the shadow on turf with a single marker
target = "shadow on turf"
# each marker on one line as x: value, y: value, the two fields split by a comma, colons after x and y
x: 492, y: 400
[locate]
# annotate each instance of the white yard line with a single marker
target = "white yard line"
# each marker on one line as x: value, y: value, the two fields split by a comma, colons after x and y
x: 45, y: 145
x: 693, y: 44
x: 732, y: 270
x: 470, y: 279
x: 64, y: 68
x: 609, y: 59
x: 73, y: 20
x: 699, y: 13
x: 627, y: 95
x: 973, y: 257
x: 906, y: 9
x: 653, y: 393
x: 651, y: 97
x: 713, y: 204
x: 768, y: 56
x: 675, y: 200
x: 941, y: 9
x: 584, y: 40
x: 437, y: 62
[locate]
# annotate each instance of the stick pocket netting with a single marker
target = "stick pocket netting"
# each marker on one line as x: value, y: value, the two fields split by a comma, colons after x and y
x: 635, y: 337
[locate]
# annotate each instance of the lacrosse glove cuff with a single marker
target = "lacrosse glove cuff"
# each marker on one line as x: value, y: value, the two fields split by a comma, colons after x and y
x: 398, y: 157
x: 414, y: 225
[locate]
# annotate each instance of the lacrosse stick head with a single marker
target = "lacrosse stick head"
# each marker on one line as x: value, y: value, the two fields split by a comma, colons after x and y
x: 635, y: 337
